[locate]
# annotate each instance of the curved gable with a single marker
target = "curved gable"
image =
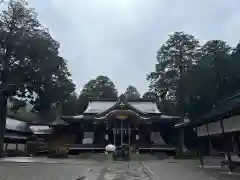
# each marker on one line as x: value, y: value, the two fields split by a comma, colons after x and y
x: 141, y: 107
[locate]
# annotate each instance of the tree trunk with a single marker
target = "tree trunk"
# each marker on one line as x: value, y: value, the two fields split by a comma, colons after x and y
x: 3, y: 114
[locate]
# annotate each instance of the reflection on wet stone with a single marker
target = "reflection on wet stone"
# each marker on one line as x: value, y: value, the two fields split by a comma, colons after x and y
x: 124, y: 171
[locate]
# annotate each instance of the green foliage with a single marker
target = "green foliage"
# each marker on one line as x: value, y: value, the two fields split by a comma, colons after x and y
x: 132, y: 93
x: 16, y: 104
x: 150, y: 96
x: 75, y: 105
x: 190, y: 78
x: 30, y: 59
x: 100, y: 88
x: 22, y: 115
x: 174, y: 58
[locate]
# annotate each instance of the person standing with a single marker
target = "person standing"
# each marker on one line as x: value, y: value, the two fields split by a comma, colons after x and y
x: 110, y: 150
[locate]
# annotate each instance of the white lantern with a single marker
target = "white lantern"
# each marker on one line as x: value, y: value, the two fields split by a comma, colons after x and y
x: 106, y: 136
x: 137, y: 137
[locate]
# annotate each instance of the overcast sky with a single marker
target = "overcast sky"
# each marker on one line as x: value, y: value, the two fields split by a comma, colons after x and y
x: 120, y: 38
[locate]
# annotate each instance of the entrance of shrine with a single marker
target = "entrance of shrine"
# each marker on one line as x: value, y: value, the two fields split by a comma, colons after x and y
x: 122, y: 136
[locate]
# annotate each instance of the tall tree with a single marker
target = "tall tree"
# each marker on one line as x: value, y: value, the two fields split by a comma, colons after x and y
x: 175, y: 57
x: 16, y: 25
x: 47, y: 74
x: 150, y: 96
x: 75, y: 105
x: 83, y: 103
x: 168, y: 107
x: 234, y: 79
x: 70, y: 106
x: 100, y: 88
x: 210, y: 78
x: 52, y: 84
x: 132, y: 93
x: 29, y: 60
x: 24, y: 2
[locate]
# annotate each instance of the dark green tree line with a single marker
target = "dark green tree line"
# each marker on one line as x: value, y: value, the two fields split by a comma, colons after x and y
x: 132, y: 93
x: 100, y: 88
x: 194, y: 77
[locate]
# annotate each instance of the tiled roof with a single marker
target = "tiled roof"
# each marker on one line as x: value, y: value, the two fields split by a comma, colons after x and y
x: 14, y: 136
x: 16, y: 125
x: 41, y: 129
x: 147, y: 107
x: 101, y: 106
x: 219, y: 111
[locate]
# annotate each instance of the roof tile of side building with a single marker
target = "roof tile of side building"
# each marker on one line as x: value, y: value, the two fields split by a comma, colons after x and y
x: 101, y: 106
x: 16, y: 125
x: 220, y: 110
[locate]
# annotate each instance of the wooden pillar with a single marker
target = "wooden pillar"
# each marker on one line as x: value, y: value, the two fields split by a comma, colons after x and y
x: 209, y: 141
x: 235, y: 144
x: 96, y: 134
x: 6, y: 146
x: 200, y: 151
x: 82, y: 132
x: 114, y: 136
x: 106, y: 133
x: 228, y: 147
x: 121, y: 131
x: 210, y: 146
x: 25, y: 147
x: 129, y: 140
x: 182, y: 142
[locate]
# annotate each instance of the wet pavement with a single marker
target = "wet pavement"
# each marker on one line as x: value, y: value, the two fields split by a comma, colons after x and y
x: 48, y: 169
x: 124, y: 171
x: 172, y: 169
x: 100, y: 169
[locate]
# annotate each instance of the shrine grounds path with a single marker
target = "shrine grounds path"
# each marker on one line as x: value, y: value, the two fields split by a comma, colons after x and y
x: 95, y: 168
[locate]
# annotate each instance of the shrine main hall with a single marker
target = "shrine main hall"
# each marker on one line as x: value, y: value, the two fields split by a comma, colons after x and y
x: 138, y: 124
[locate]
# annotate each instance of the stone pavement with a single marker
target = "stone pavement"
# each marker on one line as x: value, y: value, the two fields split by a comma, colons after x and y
x: 48, y: 169
x: 171, y: 169
x: 124, y: 171
x: 70, y: 169
x: 74, y: 168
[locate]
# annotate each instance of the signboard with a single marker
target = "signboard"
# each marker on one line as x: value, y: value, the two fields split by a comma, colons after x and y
x: 122, y: 117
x: 88, y: 137
x: 87, y: 141
x: 106, y: 136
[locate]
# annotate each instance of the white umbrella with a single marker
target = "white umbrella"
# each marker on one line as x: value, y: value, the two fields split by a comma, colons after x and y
x: 110, y: 148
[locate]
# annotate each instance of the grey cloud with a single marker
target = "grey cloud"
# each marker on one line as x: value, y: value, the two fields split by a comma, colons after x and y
x: 120, y: 38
